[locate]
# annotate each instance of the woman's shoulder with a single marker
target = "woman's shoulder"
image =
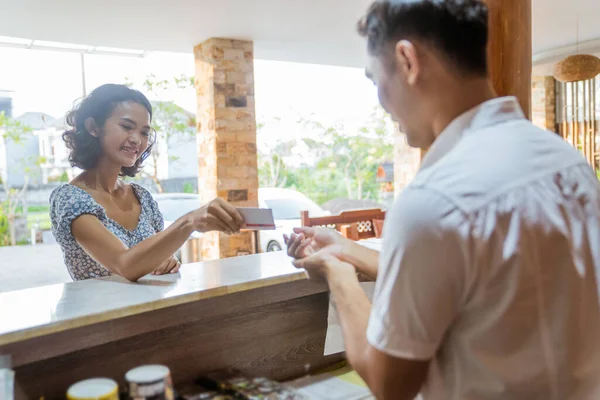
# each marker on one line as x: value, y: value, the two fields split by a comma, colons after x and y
x: 142, y: 193
x: 67, y: 191
x: 68, y: 195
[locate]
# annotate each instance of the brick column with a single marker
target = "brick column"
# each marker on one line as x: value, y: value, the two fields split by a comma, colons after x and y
x: 227, y: 158
x: 543, y: 102
x: 406, y: 162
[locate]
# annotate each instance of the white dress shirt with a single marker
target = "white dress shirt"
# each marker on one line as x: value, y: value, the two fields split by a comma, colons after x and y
x: 490, y: 261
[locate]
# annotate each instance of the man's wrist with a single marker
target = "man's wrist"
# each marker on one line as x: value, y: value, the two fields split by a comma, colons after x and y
x: 347, y: 251
x: 338, y: 270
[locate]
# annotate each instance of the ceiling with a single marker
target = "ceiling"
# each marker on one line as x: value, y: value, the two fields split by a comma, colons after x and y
x: 311, y: 31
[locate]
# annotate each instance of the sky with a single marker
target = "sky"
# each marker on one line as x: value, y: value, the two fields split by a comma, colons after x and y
x: 50, y: 82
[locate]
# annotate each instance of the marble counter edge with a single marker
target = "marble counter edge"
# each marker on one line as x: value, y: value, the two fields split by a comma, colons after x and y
x: 131, y: 310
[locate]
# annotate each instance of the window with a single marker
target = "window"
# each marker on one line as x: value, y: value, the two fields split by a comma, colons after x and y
x: 578, y: 117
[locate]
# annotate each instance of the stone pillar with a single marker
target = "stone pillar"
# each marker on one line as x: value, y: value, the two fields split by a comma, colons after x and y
x: 543, y: 102
x: 510, y: 49
x: 227, y: 158
x: 406, y: 162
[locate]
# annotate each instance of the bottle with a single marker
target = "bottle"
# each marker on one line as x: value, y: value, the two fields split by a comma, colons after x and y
x: 7, y: 378
x: 150, y: 382
x: 94, y: 389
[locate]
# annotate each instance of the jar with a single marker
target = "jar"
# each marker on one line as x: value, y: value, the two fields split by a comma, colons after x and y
x: 150, y: 382
x: 94, y: 389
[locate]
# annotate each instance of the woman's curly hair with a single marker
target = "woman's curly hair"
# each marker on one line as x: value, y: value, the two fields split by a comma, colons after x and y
x: 85, y: 149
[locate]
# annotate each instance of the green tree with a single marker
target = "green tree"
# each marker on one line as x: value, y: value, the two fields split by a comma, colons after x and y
x: 4, y: 228
x: 64, y: 177
x: 273, y: 170
x: 353, y: 157
x: 319, y: 184
x: 172, y: 123
x: 17, y: 132
x: 13, y: 130
x: 188, y: 188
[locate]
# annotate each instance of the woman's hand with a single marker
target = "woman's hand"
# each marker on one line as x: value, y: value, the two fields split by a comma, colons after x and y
x: 217, y: 215
x: 171, y: 266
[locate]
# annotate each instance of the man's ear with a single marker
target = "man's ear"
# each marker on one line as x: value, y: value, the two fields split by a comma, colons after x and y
x: 407, y: 61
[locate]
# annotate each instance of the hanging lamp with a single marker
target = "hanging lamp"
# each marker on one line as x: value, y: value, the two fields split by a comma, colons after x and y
x: 575, y: 68
x: 579, y: 67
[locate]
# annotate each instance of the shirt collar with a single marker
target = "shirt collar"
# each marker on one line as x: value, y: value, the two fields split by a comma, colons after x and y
x: 491, y: 112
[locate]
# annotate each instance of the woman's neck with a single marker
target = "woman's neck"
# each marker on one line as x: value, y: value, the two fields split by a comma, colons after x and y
x: 103, y: 176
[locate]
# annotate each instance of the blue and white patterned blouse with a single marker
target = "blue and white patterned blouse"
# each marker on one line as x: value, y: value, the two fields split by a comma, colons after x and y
x: 68, y: 202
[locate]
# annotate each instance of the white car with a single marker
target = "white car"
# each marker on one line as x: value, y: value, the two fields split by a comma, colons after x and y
x: 286, y: 204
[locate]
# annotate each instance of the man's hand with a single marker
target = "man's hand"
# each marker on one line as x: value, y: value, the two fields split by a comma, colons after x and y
x: 306, y: 241
x: 324, y: 265
x: 171, y: 266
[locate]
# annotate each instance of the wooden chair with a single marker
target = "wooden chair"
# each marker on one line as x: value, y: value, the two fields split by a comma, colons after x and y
x: 355, y: 225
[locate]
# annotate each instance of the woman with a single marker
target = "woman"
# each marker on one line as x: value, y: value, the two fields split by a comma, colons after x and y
x: 104, y: 225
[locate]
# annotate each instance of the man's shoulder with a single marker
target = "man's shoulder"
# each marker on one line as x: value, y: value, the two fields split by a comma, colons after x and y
x: 421, y: 207
x: 496, y: 160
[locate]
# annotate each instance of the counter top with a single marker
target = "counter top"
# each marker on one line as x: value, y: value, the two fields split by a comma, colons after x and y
x: 35, y: 312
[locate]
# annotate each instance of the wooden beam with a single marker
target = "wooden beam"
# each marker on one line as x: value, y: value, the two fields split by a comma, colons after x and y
x: 509, y: 50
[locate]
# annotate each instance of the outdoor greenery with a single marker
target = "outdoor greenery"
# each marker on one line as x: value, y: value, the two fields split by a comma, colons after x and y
x: 39, y: 219
x: 343, y: 161
x: 188, y: 188
x: 4, y: 229
x: 17, y: 132
x: 171, y: 122
x: 13, y: 130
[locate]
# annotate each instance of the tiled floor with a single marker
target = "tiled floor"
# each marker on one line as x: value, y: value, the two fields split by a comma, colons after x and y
x: 23, y: 267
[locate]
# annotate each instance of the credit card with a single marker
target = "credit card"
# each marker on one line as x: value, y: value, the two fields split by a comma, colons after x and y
x: 257, y: 219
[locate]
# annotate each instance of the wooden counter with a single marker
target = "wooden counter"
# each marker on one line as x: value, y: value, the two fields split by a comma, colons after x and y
x: 257, y: 314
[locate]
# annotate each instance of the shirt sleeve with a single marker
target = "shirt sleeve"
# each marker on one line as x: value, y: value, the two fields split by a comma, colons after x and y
x: 67, y: 203
x: 158, y: 222
x: 156, y: 217
x: 421, y: 279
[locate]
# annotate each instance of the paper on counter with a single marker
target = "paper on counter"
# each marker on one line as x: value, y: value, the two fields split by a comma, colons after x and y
x: 334, y: 341
x: 332, y: 387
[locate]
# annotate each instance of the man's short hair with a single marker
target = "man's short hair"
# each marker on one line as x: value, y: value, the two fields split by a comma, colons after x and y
x: 456, y: 28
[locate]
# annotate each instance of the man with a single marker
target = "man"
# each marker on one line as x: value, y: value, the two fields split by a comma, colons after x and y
x: 486, y: 286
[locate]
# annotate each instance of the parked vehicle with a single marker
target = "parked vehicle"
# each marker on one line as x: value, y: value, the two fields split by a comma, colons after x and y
x: 285, y: 203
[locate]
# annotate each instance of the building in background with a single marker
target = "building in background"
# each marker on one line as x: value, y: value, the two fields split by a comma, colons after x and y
x: 177, y: 141
x: 6, y: 102
x: 6, y: 108
x: 53, y: 153
x: 18, y: 159
x: 44, y: 157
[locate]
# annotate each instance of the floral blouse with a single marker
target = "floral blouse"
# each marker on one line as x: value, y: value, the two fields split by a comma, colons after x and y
x: 68, y: 202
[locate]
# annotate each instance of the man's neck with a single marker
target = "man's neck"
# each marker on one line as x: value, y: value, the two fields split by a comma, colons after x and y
x: 458, y: 98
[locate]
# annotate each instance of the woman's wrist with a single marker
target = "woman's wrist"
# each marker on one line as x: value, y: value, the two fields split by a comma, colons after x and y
x: 186, y: 224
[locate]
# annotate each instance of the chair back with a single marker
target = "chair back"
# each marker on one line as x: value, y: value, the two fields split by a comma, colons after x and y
x: 355, y: 225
